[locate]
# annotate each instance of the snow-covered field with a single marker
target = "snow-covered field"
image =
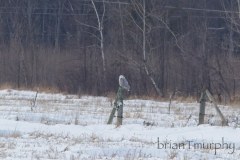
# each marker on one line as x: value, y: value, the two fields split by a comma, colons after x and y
x: 72, y: 127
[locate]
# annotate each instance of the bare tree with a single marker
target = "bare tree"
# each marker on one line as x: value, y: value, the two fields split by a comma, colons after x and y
x: 100, y: 21
x: 140, y: 9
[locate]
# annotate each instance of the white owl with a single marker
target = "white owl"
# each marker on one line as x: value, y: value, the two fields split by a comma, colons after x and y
x: 124, y: 83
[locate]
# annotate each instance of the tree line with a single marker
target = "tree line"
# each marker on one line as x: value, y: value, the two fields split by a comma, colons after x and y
x: 82, y: 46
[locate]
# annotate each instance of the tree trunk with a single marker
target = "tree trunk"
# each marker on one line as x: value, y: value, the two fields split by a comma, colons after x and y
x: 100, y: 29
x: 144, y: 52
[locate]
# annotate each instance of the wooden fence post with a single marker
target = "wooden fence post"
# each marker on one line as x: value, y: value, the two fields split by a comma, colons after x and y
x: 212, y: 100
x: 202, y: 108
x: 34, y: 101
x: 111, y: 115
x: 120, y: 114
x: 118, y: 105
x: 170, y: 102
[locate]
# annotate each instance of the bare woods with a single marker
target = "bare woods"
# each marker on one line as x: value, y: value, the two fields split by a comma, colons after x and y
x: 161, y: 46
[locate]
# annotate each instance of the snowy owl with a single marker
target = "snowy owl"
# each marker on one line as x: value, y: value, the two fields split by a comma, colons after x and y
x: 124, y: 83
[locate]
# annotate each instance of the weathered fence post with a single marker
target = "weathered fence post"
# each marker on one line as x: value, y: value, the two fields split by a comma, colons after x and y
x: 118, y: 105
x: 34, y: 101
x: 204, y: 96
x: 202, y: 108
x: 170, y: 102
x: 111, y: 115
x: 212, y: 100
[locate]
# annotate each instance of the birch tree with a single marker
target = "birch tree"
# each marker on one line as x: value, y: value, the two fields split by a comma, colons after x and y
x: 140, y: 10
x: 99, y: 27
x: 100, y: 20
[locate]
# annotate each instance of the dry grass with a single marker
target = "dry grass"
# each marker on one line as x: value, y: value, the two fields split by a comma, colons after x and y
x: 111, y: 95
x: 7, y: 86
x: 127, y: 115
x: 138, y: 115
x: 2, y: 145
x: 37, y: 88
x: 235, y: 102
x: 188, y: 99
x: 172, y: 154
x: 14, y: 134
x: 47, y: 89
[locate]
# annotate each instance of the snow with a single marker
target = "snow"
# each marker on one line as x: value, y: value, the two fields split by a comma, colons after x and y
x: 71, y: 127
